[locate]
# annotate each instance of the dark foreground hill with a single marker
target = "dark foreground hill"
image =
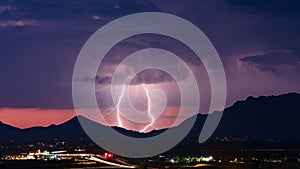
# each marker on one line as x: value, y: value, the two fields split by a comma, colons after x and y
x: 272, y: 118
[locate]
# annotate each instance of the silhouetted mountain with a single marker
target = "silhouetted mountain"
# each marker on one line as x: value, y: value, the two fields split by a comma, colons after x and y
x: 66, y: 131
x: 262, y: 118
x: 8, y: 133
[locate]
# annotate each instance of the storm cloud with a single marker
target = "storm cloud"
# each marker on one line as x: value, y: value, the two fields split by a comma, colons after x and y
x: 273, y: 61
x: 40, y: 41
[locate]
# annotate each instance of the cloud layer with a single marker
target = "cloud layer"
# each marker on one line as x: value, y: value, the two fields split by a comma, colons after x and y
x: 273, y: 61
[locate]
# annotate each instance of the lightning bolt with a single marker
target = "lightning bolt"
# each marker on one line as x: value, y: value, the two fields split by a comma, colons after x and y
x: 148, y: 110
x: 118, y: 107
x: 109, y: 110
x: 120, y: 124
x: 98, y: 90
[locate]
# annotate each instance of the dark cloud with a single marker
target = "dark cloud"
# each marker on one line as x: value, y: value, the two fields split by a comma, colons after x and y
x: 103, y: 79
x: 273, y: 60
x: 138, y: 42
x: 40, y: 41
x: 63, y: 9
x: 273, y: 7
x: 100, y: 79
x: 148, y: 76
x: 152, y: 76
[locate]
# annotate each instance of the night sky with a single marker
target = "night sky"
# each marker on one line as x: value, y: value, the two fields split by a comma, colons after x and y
x: 258, y: 43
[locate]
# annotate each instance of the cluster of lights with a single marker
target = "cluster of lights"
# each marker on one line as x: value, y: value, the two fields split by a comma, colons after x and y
x: 108, y: 155
x: 190, y: 159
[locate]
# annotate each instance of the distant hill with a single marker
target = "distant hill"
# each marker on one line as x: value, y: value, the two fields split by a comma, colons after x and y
x: 8, y: 133
x: 263, y: 118
x: 70, y: 130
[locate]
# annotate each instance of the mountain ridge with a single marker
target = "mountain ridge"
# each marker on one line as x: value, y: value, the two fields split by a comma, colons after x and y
x: 254, y: 122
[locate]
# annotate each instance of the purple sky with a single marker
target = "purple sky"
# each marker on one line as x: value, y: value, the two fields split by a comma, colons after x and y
x: 258, y: 43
